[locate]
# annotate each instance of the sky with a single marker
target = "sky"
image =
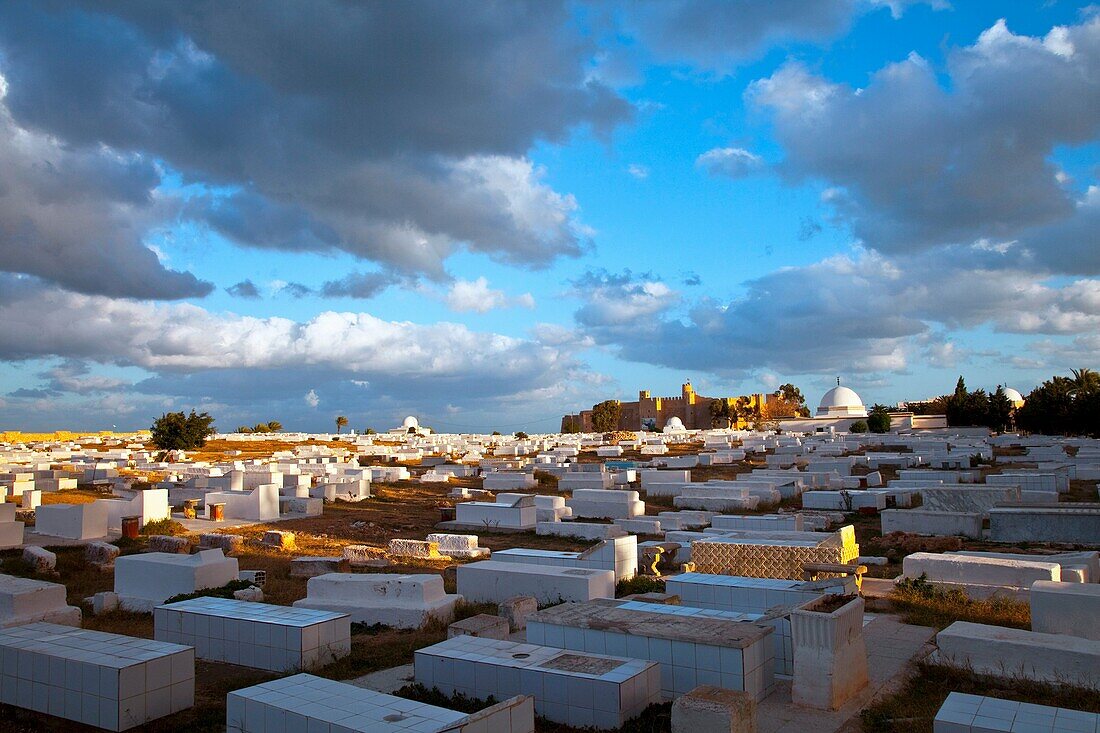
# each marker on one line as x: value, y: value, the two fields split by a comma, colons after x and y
x: 490, y: 214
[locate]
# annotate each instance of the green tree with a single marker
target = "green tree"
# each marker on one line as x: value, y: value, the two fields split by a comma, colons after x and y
x: 244, y: 429
x: 260, y: 427
x: 878, y: 419
x: 370, y: 431
x: 274, y: 426
x: 605, y: 416
x: 1085, y: 381
x: 859, y: 426
x: 177, y: 431
x: 723, y: 414
x: 793, y: 400
x: 341, y: 422
x: 999, y: 418
x: 521, y: 435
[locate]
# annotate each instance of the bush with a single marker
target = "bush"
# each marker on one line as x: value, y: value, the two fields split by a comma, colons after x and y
x: 225, y: 591
x: 522, y: 435
x: 878, y: 421
x: 924, y: 604
x: 859, y: 426
x: 164, y: 526
x: 639, y: 584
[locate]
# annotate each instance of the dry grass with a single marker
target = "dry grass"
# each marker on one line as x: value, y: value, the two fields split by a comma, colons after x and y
x: 923, y: 604
x: 913, y: 708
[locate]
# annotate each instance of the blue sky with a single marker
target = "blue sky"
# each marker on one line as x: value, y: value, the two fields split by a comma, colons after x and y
x: 488, y: 218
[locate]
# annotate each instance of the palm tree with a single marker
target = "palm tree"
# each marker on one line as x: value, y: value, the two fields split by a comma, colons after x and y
x: 274, y: 426
x: 341, y: 421
x: 1085, y: 381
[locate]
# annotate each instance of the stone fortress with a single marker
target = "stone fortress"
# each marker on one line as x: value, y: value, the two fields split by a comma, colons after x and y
x: 654, y: 413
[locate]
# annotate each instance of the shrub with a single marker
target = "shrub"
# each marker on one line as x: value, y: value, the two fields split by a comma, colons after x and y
x: 859, y: 426
x: 639, y: 584
x: 164, y: 526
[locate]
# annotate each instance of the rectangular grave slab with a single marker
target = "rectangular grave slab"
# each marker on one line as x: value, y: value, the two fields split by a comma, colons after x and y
x: 965, y: 570
x: 619, y: 555
x: 104, y: 680
x: 258, y: 635
x: 1065, y: 608
x: 26, y: 600
x: 304, y: 702
x: 1075, y: 523
x: 493, y: 581
x: 964, y: 713
x: 1004, y: 652
x: 692, y: 649
x: 935, y: 523
x: 572, y: 688
x: 400, y: 601
x: 147, y: 580
x: 72, y: 521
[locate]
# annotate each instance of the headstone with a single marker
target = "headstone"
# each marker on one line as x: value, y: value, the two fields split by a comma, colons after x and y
x: 104, y: 602
x: 40, y: 559
x: 482, y: 625
x: 279, y: 539
x: 227, y: 543
x: 714, y: 710
x: 167, y: 543
x: 101, y: 555
x: 311, y: 567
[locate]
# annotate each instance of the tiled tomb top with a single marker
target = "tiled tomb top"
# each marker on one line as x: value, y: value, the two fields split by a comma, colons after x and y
x: 523, y: 656
x: 248, y: 611
x: 963, y: 713
x: 609, y: 616
x: 104, y: 649
x: 351, y: 707
x: 738, y: 581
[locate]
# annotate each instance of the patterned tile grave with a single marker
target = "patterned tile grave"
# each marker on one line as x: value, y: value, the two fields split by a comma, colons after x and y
x: 260, y: 635
x: 582, y: 690
x: 106, y: 680
x: 762, y: 557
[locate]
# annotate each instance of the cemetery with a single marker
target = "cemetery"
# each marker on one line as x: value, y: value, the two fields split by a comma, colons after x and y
x: 752, y: 577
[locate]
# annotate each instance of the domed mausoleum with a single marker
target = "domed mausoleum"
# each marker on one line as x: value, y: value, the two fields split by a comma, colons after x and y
x: 1014, y: 397
x: 674, y: 425
x: 410, y: 422
x: 841, y: 402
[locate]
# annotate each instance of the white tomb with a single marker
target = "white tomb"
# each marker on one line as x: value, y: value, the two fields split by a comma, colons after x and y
x: 573, y: 688
x: 103, y: 680
x: 494, y: 581
x: 147, y: 580
x: 400, y: 601
x: 258, y: 635
x: 303, y: 702
x: 26, y: 600
x: 72, y: 521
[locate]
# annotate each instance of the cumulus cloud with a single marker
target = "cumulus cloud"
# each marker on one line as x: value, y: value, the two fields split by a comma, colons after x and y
x: 613, y: 301
x: 312, y: 399
x: 731, y: 162
x: 476, y: 296
x: 244, y: 289
x: 860, y: 313
x: 915, y: 163
x: 344, y: 101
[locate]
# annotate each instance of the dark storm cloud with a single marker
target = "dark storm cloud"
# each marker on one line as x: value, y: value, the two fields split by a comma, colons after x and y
x: 244, y: 289
x: 394, y: 131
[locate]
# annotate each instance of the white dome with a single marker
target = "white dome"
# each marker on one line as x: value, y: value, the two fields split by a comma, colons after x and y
x: 841, y: 402
x: 1013, y: 396
x: 410, y: 422
x: 840, y: 397
x: 674, y: 424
